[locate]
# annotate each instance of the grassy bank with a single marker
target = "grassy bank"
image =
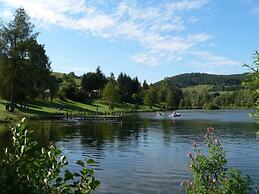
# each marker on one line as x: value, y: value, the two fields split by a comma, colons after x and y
x: 39, y: 109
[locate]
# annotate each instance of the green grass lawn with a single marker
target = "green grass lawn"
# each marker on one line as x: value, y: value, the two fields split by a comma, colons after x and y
x: 40, y: 109
x: 90, y: 107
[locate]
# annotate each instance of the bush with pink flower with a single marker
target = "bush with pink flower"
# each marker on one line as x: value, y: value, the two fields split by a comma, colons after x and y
x: 210, y: 174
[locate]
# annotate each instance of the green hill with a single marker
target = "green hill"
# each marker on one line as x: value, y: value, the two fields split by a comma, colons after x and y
x: 223, y: 82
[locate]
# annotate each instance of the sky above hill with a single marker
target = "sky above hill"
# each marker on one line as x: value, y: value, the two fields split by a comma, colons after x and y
x: 151, y: 39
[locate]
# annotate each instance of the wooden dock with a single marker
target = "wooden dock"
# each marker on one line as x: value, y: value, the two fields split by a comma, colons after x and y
x: 77, y: 115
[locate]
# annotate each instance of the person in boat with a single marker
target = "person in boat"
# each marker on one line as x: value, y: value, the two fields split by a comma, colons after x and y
x: 175, y: 114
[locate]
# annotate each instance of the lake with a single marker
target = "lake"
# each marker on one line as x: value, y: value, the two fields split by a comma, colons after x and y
x: 146, y: 153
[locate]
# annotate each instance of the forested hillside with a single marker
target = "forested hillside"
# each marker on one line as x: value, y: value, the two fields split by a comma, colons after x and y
x: 210, y: 91
x: 191, y: 79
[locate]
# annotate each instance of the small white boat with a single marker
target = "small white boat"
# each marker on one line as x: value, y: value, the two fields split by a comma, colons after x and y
x: 175, y: 114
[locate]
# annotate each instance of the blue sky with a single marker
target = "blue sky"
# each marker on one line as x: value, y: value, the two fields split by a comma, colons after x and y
x: 151, y: 39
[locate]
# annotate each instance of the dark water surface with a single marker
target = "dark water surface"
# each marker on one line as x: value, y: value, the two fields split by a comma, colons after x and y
x: 146, y: 153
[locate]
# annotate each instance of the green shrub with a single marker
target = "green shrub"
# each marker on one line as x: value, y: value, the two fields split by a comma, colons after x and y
x: 210, y: 106
x: 27, y: 168
x: 210, y: 175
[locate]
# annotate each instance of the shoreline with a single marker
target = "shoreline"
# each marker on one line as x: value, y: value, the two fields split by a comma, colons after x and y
x: 91, y: 117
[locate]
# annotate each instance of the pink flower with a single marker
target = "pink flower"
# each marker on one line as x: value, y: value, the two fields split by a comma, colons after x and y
x: 189, y: 154
x: 210, y: 129
x: 194, y: 145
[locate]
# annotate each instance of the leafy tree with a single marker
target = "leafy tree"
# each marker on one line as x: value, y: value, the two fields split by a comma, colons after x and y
x: 150, y: 98
x: 125, y: 87
x: 245, y: 98
x: 93, y: 81
x: 38, y: 70
x: 68, y: 88
x: 136, y: 86
x: 178, y: 96
x: 169, y: 96
x: 163, y: 90
x: 111, y: 94
x: 137, y: 98
x: 53, y: 86
x: 71, y: 75
x: 210, y: 106
x: 145, y: 85
x: 101, y: 78
x: 170, y: 102
x: 89, y: 82
x: 112, y: 78
x: 24, y: 66
x: 253, y: 79
x: 181, y: 104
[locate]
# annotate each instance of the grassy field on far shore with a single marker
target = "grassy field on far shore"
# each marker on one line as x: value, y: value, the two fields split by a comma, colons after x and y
x: 46, y: 109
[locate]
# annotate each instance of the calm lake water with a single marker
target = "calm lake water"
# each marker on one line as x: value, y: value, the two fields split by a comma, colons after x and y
x: 146, y: 153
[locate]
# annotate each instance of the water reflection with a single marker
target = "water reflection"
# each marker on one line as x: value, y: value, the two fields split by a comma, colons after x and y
x: 146, y: 154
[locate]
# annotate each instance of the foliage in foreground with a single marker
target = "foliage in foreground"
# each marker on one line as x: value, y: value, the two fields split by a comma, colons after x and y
x: 253, y: 81
x: 27, y: 168
x: 210, y: 175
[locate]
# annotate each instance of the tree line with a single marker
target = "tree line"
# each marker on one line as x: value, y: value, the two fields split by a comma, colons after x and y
x: 214, y: 100
x: 124, y: 89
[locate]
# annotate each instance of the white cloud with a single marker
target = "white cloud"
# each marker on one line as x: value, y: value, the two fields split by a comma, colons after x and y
x: 255, y: 11
x: 210, y: 62
x: 6, y: 14
x: 187, y: 5
x: 60, y: 7
x: 166, y: 50
x: 154, y: 58
x: 157, y: 29
x: 146, y: 58
x: 214, y: 59
x: 94, y: 24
